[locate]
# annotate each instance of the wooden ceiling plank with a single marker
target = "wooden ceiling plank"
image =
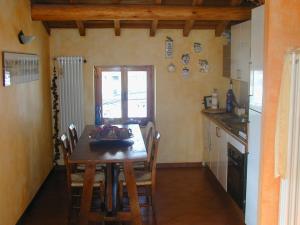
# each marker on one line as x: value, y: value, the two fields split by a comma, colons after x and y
x: 190, y: 23
x: 117, y: 26
x: 47, y: 28
x: 236, y: 2
x: 137, y: 12
x: 116, y: 1
x: 81, y: 27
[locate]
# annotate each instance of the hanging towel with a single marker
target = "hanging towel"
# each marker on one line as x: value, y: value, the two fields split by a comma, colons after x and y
x: 282, y: 120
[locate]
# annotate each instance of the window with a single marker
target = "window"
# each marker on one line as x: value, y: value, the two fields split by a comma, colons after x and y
x: 125, y: 92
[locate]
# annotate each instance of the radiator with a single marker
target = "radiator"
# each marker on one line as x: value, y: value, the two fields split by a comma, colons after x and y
x: 71, y: 93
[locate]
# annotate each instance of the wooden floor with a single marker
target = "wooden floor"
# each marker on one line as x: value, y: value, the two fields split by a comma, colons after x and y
x: 185, y: 196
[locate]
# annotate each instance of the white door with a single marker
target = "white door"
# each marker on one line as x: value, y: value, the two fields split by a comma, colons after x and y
x: 214, y: 154
x: 206, y: 139
x: 223, y: 160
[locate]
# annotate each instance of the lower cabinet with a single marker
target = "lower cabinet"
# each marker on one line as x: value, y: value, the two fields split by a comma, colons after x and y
x: 217, y: 152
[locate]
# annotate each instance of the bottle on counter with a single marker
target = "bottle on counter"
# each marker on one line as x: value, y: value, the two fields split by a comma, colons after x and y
x: 229, y: 99
x: 98, y: 113
x: 214, y: 99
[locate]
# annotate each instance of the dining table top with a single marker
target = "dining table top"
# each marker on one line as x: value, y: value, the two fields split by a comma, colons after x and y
x: 89, y: 151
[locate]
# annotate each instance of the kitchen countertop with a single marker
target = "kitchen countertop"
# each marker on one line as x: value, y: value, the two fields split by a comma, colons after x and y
x: 230, y: 123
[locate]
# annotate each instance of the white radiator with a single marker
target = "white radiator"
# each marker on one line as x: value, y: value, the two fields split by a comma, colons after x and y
x: 71, y: 94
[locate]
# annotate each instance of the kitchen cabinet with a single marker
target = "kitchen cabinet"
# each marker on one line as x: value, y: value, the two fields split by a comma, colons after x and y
x: 218, y: 153
x: 240, y: 51
x: 206, y: 139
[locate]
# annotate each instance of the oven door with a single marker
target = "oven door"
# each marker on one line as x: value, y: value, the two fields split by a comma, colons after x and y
x: 236, y: 176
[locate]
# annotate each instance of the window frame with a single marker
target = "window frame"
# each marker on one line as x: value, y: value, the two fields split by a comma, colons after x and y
x: 124, y: 91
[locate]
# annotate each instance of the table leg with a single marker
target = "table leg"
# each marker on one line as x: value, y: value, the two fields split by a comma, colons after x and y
x: 111, y: 185
x: 132, y: 193
x: 87, y: 192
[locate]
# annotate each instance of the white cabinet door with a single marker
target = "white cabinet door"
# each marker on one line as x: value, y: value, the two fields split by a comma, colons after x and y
x: 235, y: 33
x: 240, y: 51
x: 213, y: 153
x: 206, y: 139
x: 223, y: 160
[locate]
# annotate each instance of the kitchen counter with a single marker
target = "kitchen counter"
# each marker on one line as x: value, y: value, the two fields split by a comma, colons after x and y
x: 231, y: 123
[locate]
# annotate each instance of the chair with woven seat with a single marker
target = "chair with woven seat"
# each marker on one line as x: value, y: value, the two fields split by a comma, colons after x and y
x: 145, y: 178
x: 148, y: 136
x: 73, y: 140
x: 76, y: 179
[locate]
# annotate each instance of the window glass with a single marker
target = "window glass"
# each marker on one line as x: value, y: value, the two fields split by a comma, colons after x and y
x: 137, y: 94
x: 111, y: 94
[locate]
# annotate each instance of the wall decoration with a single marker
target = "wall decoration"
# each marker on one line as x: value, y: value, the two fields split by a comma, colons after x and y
x: 198, y: 47
x: 203, y: 65
x: 207, y: 101
x: 185, y: 72
x: 171, y: 68
x: 55, y: 111
x: 169, y: 48
x: 185, y: 58
x: 19, y: 68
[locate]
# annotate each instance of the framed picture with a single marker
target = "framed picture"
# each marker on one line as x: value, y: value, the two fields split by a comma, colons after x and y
x: 207, y: 101
x: 19, y: 68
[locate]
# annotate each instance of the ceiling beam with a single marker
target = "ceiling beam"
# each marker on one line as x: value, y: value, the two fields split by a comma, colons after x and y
x: 220, y: 28
x: 154, y: 22
x: 190, y: 23
x: 47, y: 28
x: 81, y: 27
x: 79, y: 23
x: 136, y: 12
x: 117, y: 26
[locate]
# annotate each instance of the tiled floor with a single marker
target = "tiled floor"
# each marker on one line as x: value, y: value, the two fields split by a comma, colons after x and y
x: 185, y: 196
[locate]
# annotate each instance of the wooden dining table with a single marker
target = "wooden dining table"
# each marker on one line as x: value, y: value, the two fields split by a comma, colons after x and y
x: 112, y: 154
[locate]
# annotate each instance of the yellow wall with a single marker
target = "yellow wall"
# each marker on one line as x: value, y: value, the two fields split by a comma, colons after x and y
x: 25, y: 127
x: 178, y: 100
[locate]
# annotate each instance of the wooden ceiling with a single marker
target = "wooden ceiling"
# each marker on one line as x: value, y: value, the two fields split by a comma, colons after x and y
x: 150, y: 14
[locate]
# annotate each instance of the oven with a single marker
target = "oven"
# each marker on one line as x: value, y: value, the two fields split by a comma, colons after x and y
x: 236, y: 176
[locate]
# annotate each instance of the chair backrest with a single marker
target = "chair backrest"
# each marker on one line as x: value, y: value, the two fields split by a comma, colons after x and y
x: 149, y: 135
x: 73, y: 135
x: 66, y: 149
x: 154, y: 158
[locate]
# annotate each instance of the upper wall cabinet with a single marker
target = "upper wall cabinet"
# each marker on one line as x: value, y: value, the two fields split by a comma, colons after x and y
x: 240, y: 51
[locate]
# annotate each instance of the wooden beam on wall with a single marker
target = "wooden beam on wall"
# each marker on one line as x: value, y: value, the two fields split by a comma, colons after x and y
x: 47, y: 28
x: 136, y: 12
x: 117, y: 26
x: 81, y: 28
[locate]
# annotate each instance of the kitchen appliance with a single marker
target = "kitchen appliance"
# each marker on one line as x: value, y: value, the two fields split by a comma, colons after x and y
x: 255, y: 110
x: 236, y: 175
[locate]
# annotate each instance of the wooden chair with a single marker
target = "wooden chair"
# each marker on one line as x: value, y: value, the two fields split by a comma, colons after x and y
x: 73, y: 135
x: 74, y: 139
x: 145, y: 178
x: 148, y: 136
x: 76, y: 179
